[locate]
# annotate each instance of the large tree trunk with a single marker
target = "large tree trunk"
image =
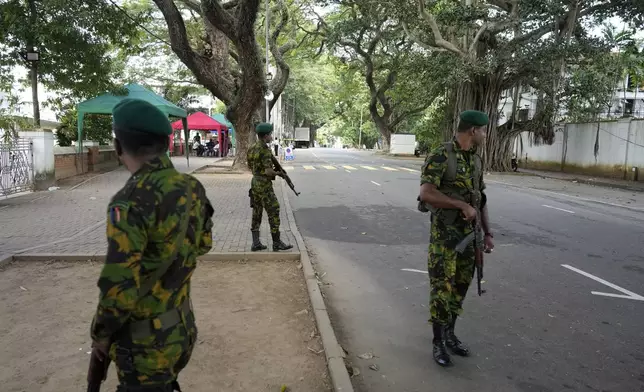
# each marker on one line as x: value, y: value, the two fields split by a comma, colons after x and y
x: 484, y: 94
x: 243, y: 119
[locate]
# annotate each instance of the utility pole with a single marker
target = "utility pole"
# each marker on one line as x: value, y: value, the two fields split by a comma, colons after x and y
x: 33, y: 63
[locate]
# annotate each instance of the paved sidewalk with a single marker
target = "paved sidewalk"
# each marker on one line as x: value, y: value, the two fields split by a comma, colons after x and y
x: 637, y: 186
x: 72, y: 221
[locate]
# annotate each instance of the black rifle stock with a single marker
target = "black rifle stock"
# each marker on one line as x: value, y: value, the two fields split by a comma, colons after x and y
x: 97, y: 373
x: 280, y: 169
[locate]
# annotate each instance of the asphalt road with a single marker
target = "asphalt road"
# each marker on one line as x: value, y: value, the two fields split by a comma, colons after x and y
x: 539, y: 327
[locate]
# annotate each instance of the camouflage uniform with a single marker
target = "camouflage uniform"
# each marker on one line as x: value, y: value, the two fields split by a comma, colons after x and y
x: 143, y: 223
x: 450, y: 273
x: 263, y: 195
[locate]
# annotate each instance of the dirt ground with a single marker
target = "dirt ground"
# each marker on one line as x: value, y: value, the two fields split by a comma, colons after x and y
x: 256, y: 328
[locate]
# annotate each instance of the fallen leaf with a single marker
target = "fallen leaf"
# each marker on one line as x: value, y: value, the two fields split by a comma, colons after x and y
x: 374, y: 367
x: 315, y: 351
x: 366, y: 356
x: 364, y: 233
x: 22, y: 288
x: 301, y: 312
x: 355, y: 372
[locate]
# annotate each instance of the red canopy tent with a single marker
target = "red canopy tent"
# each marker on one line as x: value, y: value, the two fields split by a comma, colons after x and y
x: 200, y: 121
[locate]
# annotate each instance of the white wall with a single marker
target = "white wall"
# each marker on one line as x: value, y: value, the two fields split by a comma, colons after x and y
x: 621, y: 146
x: 43, y: 157
x: 402, y: 144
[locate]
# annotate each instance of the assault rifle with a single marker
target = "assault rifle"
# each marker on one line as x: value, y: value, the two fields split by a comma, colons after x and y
x: 478, y: 250
x: 97, y: 373
x: 280, y: 169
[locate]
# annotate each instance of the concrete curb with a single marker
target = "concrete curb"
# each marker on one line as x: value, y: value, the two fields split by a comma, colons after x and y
x: 219, y: 256
x: 332, y: 349
x: 5, y: 260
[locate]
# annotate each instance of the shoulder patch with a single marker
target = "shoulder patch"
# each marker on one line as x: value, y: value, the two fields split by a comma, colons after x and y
x: 437, y: 158
x: 116, y: 211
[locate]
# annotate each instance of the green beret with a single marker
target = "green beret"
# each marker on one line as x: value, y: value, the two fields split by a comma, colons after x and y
x: 264, y: 128
x: 474, y: 117
x: 140, y: 116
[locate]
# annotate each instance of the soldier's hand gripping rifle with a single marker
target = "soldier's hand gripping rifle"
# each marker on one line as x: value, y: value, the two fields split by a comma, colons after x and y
x: 280, y: 169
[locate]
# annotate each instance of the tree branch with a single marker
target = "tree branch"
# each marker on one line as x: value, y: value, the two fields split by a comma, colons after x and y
x: 198, y: 65
x: 220, y: 18
x: 408, y: 113
x: 192, y: 5
x: 177, y: 31
x: 438, y: 37
x: 420, y: 42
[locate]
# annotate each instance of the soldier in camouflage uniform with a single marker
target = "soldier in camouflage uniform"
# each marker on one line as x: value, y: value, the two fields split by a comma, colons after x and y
x: 157, y: 225
x: 455, y: 205
x: 261, y: 192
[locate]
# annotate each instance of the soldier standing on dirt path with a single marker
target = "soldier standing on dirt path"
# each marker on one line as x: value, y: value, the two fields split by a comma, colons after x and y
x: 262, y: 195
x: 157, y: 225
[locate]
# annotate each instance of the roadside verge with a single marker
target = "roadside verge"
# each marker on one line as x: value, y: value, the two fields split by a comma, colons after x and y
x: 332, y: 349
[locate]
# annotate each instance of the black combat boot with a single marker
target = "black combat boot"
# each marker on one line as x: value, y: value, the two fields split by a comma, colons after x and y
x: 453, y: 343
x: 440, y: 351
x: 257, y: 245
x: 278, y: 244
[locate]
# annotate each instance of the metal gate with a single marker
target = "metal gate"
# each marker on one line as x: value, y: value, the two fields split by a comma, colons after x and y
x: 16, y: 166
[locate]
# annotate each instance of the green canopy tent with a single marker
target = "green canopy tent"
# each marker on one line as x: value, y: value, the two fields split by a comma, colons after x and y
x: 223, y: 120
x: 103, y: 104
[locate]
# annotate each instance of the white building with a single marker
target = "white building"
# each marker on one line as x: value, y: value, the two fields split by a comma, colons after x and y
x: 627, y: 102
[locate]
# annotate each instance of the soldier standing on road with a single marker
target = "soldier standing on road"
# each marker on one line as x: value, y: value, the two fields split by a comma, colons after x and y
x: 455, y: 202
x: 157, y: 225
x: 262, y: 195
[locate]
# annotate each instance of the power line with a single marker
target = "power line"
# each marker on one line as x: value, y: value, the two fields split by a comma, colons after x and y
x: 139, y: 24
x: 621, y: 138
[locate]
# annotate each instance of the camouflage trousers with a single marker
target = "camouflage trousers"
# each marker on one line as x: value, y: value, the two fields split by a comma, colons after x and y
x: 264, y: 199
x: 450, y: 275
x: 154, y: 363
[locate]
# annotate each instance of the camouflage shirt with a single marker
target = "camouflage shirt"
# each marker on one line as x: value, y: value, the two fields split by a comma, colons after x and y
x: 143, y: 220
x: 435, y: 166
x: 259, y: 159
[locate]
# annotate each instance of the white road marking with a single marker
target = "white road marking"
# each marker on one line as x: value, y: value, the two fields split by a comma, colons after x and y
x: 629, y: 294
x: 308, y: 167
x: 368, y: 167
x: 314, y: 154
x: 349, y: 168
x: 409, y: 170
x: 373, y: 182
x: 348, y: 171
x: 560, y: 209
x: 414, y: 270
x: 389, y: 168
x: 330, y: 167
x: 289, y: 168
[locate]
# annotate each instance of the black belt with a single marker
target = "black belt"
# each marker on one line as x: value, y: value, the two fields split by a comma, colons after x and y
x: 142, y: 329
